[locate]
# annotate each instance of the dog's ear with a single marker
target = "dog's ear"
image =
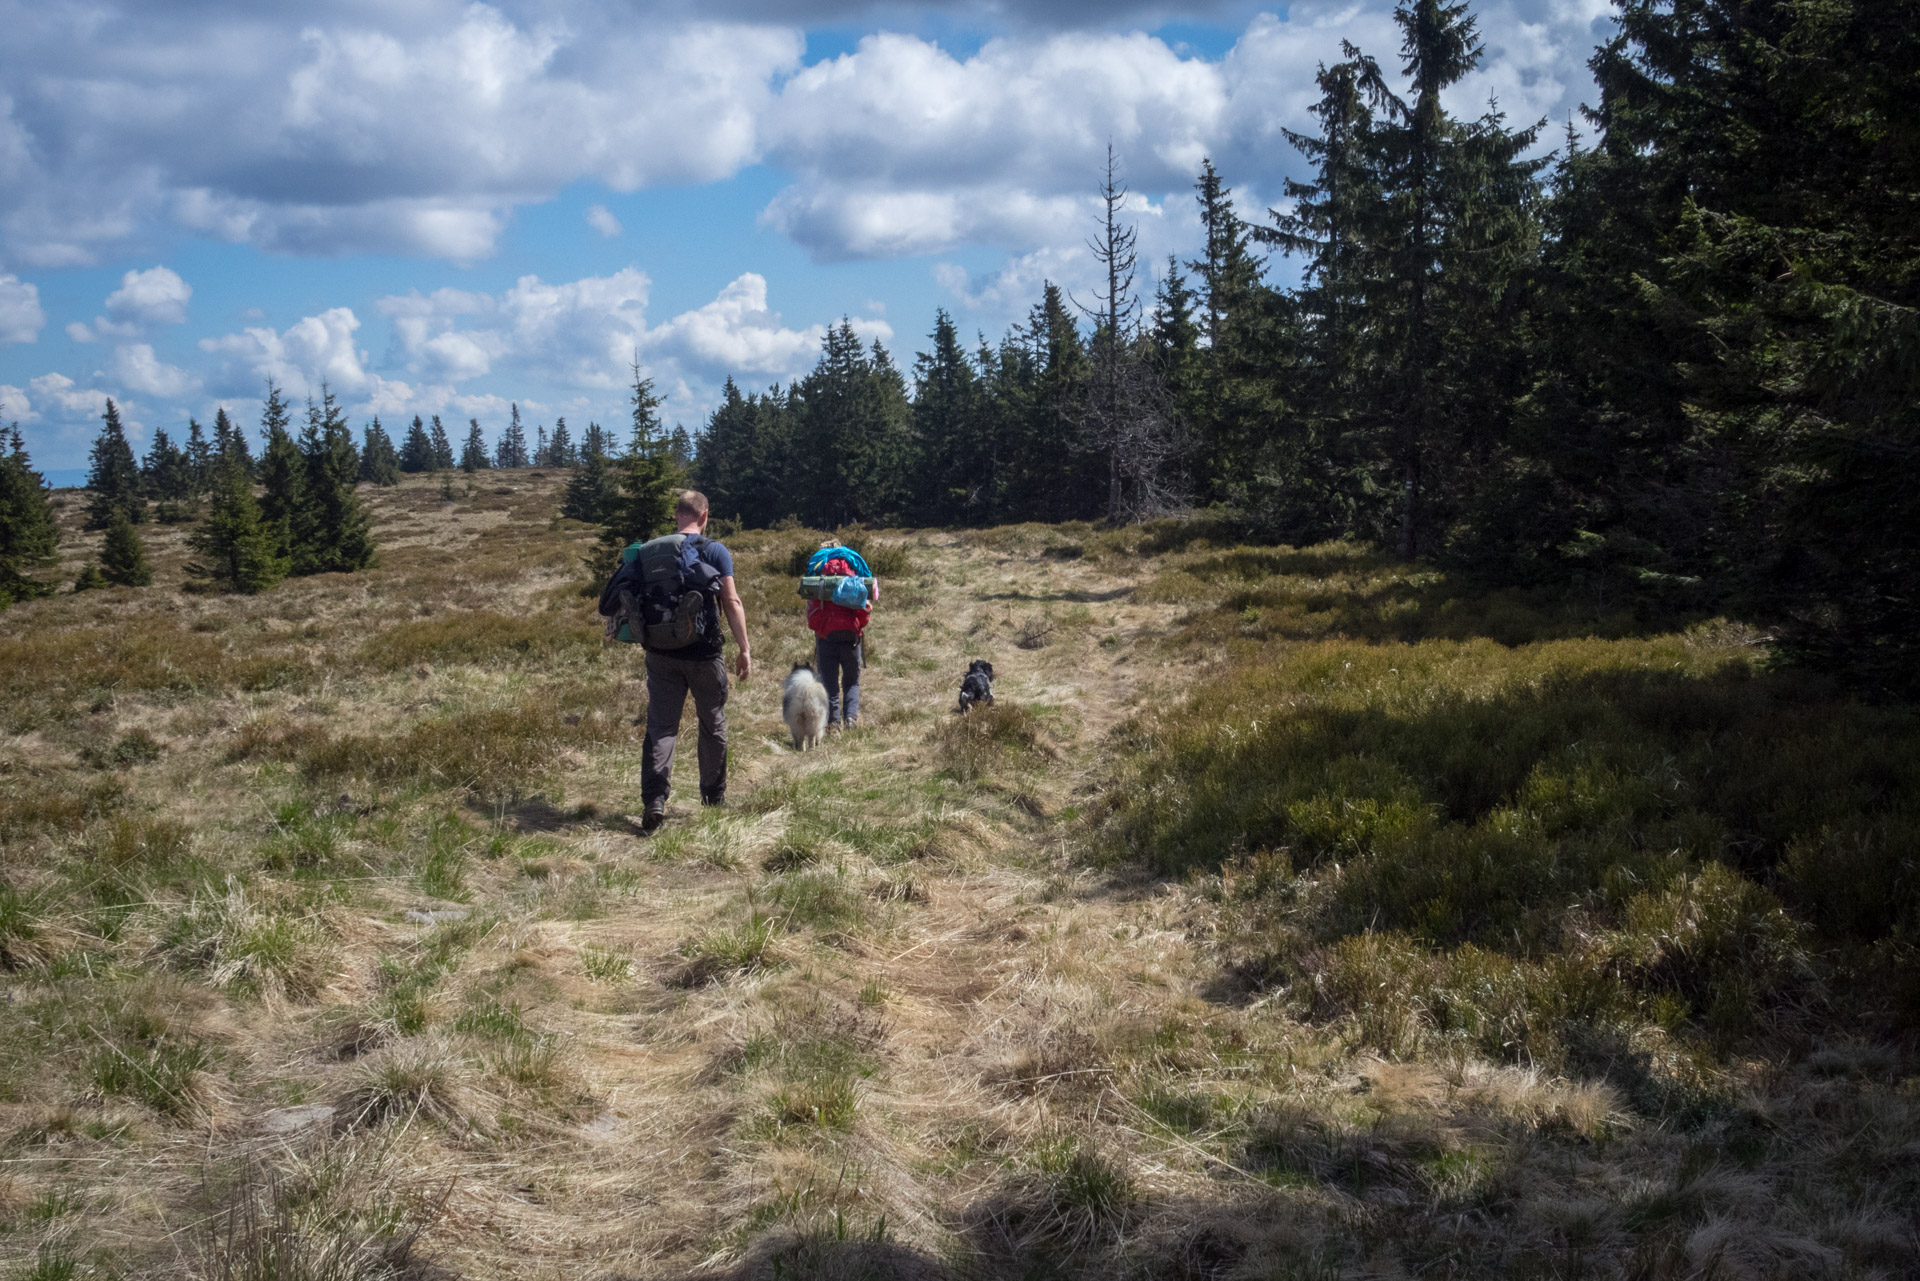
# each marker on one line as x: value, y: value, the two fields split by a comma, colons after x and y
x: 986, y: 667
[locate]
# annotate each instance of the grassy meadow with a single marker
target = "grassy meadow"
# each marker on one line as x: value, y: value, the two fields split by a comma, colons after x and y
x: 1293, y: 914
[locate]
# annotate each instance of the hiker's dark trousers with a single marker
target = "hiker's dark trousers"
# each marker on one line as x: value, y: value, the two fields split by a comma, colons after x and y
x: 669, y: 681
x: 839, y: 664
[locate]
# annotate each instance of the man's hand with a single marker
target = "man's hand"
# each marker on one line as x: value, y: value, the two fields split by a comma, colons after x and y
x: 743, y: 664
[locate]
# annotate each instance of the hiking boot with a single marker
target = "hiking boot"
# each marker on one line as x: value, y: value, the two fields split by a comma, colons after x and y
x: 652, y: 822
x: 713, y: 798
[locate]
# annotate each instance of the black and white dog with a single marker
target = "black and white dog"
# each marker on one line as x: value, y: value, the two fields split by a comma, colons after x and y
x: 977, y: 686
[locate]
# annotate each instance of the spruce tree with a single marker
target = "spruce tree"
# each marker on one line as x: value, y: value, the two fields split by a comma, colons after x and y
x: 282, y: 477
x: 234, y: 550
x: 113, y: 479
x: 1234, y: 406
x: 229, y: 442
x: 954, y: 457
x: 163, y: 473
x: 1315, y: 473
x: 199, y: 455
x: 473, y: 455
x: 648, y: 479
x: 1045, y: 472
x: 851, y: 433
x: 28, y: 534
x: 542, y: 450
x: 592, y: 489
x: 1456, y: 218
x: 512, y: 448
x: 331, y: 528
x: 1175, y: 337
x: 680, y: 448
x: 123, y: 561
x: 560, y: 449
x: 442, y: 447
x: 379, y: 462
x: 416, y: 454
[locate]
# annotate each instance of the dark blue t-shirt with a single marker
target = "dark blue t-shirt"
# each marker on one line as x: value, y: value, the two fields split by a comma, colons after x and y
x: 714, y: 638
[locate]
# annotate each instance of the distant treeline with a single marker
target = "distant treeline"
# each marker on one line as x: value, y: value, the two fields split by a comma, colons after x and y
x: 1677, y: 367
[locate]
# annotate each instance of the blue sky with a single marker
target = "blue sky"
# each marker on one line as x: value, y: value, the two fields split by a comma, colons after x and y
x: 441, y: 206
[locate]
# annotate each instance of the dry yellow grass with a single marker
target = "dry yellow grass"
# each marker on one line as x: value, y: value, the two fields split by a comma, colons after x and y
x: 370, y: 919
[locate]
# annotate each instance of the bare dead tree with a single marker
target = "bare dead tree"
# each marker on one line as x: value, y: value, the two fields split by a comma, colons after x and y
x: 1129, y: 414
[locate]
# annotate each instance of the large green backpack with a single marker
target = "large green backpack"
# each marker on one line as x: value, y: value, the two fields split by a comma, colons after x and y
x: 658, y: 595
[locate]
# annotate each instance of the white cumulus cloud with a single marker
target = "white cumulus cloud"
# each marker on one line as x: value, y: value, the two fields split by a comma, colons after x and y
x: 71, y: 399
x: 340, y: 127
x: 144, y: 301
x: 586, y: 334
x: 313, y: 350
x: 21, y: 318
x: 601, y: 219
x: 136, y: 367
x: 16, y: 405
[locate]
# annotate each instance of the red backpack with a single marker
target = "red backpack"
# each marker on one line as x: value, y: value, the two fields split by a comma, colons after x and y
x: 826, y: 618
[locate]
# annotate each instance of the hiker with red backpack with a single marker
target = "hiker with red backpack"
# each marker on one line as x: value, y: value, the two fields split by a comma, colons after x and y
x: 841, y: 592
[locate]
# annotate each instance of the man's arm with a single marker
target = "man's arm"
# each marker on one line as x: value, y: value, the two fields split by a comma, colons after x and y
x: 737, y: 622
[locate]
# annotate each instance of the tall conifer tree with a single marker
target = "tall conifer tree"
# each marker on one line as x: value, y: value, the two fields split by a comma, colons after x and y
x: 28, y: 534
x: 233, y: 550
x: 199, y: 455
x: 379, y: 461
x: 560, y: 448
x: 592, y: 489
x: 512, y: 448
x: 282, y: 476
x: 443, y: 459
x: 230, y: 442
x: 473, y: 455
x: 648, y: 479
x: 953, y: 451
x: 113, y: 478
x: 416, y: 452
x: 331, y: 531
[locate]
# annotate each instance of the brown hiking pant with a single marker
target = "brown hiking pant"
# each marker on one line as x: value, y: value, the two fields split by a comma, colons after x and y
x: 669, y: 681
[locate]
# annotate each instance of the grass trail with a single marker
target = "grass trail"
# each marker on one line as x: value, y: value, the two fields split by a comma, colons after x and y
x: 325, y: 936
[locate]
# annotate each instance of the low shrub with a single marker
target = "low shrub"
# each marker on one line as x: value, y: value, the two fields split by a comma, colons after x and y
x: 603, y: 964
x: 733, y: 950
x: 406, y: 1081
x: 482, y: 637
x: 970, y: 746
x: 242, y: 947
x: 492, y: 752
x: 28, y: 805
x: 64, y: 663
x: 166, y: 1075
x: 20, y: 929
x: 820, y: 900
x: 135, y: 748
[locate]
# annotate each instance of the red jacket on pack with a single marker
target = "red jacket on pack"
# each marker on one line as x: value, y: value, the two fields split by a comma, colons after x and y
x: 824, y: 617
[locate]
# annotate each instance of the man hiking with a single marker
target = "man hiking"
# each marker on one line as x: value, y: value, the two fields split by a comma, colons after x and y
x: 668, y: 595
x: 838, y: 620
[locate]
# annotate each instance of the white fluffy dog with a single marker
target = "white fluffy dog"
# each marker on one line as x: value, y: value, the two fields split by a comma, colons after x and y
x: 803, y: 705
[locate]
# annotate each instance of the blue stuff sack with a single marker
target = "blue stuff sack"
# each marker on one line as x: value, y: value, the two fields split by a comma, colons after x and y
x: 851, y: 593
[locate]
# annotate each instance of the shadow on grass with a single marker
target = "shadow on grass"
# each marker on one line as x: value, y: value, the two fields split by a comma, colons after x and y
x: 1079, y: 598
x: 1546, y: 851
